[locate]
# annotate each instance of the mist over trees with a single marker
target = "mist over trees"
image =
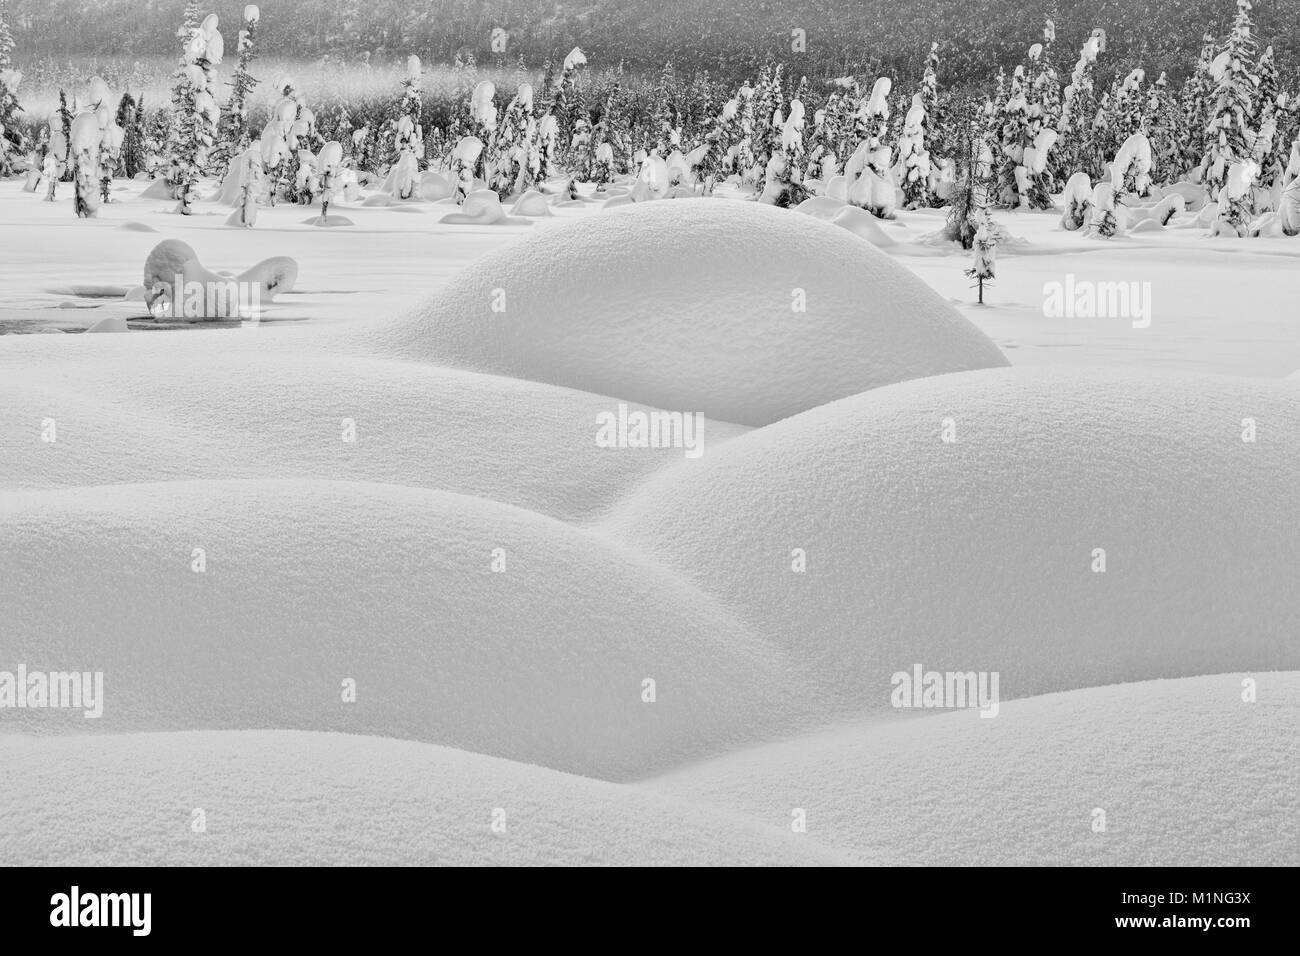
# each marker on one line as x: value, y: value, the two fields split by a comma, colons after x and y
x: 728, y: 37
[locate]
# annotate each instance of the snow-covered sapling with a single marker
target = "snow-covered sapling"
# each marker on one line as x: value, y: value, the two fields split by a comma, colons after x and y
x: 86, y: 136
x: 464, y: 159
x: 249, y: 165
x: 1078, y: 203
x: 983, y: 269
x: 328, y: 162
x: 1106, y: 221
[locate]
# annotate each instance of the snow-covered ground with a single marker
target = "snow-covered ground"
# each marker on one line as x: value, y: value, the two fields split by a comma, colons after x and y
x: 564, y: 652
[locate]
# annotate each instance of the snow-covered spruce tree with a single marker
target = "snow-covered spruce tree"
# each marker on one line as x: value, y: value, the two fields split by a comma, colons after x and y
x: 298, y: 178
x: 1014, y: 136
x: 483, y: 123
x: 1079, y: 108
x: 1044, y: 95
x: 157, y: 134
x: 65, y: 116
x: 233, y: 133
x: 1196, y: 101
x: 85, y: 142
x: 194, y: 107
x: 1163, y: 121
x: 564, y: 97
x: 56, y: 162
x: 718, y: 140
x: 406, y: 132
x: 1235, y: 201
x: 784, y: 175
x: 970, y: 197
x: 279, y: 142
x: 250, y: 166
x: 765, y: 139
x: 1230, y: 138
x: 514, y: 158
x: 913, y: 158
x: 934, y: 120
x: 1128, y: 107
x: 12, y: 146
x: 875, y: 117
x: 111, y: 137
x: 1270, y: 149
x: 130, y: 116
x: 822, y: 162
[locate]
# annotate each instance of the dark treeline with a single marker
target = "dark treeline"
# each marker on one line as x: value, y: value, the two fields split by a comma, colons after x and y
x: 730, y: 38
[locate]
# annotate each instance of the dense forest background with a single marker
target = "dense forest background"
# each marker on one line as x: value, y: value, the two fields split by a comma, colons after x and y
x: 728, y: 37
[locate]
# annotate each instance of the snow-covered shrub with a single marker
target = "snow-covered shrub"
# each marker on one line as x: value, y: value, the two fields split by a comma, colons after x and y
x: 1234, y: 212
x: 1077, y: 200
x: 85, y: 142
x: 1106, y: 220
x: 1131, y: 170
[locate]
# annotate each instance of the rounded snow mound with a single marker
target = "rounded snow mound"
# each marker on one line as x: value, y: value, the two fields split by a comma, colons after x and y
x: 1025, y: 788
x: 368, y: 801
x: 1068, y: 528
x: 743, y: 312
x: 169, y: 416
x: 235, y: 605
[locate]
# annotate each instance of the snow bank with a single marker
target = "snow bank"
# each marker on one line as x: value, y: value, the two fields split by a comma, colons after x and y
x: 745, y: 313
x: 314, y: 799
x: 307, y: 584
x: 1186, y: 772
x: 980, y: 554
x: 158, y: 408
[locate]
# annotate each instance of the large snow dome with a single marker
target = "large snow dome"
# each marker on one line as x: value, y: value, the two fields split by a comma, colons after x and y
x: 740, y: 311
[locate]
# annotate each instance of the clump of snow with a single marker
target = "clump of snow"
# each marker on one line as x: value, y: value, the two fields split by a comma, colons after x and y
x: 172, y: 258
x: 532, y: 203
x: 650, y: 302
x: 482, y: 207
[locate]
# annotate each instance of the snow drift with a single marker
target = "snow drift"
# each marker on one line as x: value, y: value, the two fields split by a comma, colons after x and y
x: 980, y: 554
x: 696, y: 305
x: 307, y: 584
x: 315, y: 799
x: 1022, y: 790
